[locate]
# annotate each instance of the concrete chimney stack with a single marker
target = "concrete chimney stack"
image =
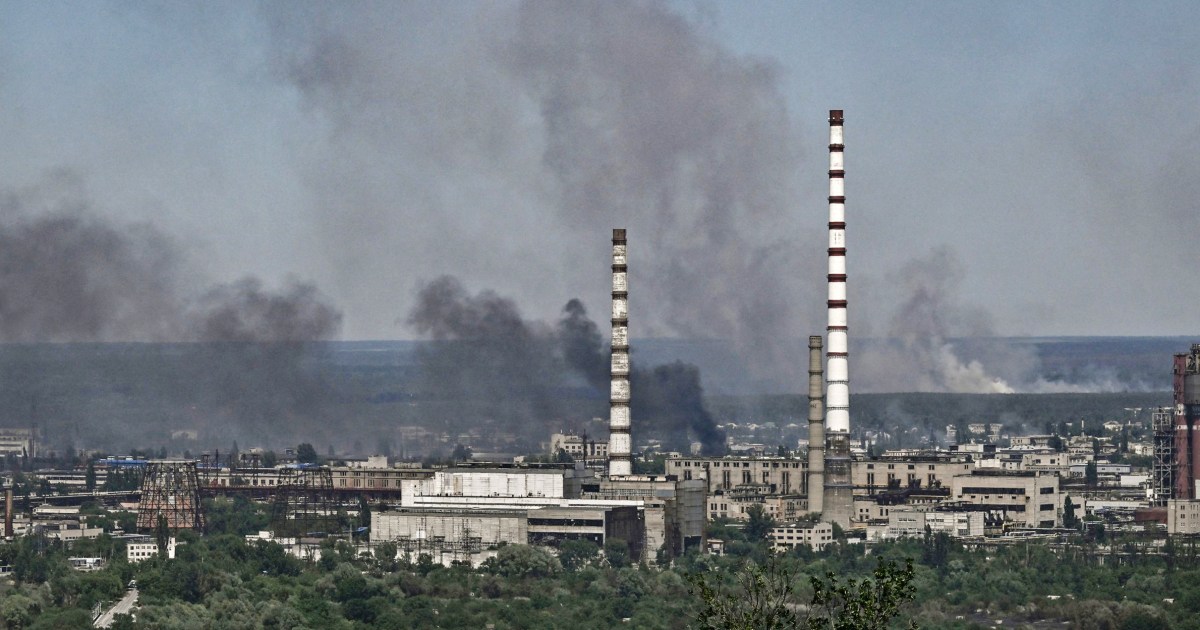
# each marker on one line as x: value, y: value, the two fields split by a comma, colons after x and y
x: 620, y: 459
x: 8, y: 514
x: 838, y: 500
x: 816, y: 426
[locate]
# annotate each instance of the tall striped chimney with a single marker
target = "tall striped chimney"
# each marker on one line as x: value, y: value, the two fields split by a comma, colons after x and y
x: 620, y: 460
x: 816, y: 426
x: 838, y: 500
x: 837, y: 418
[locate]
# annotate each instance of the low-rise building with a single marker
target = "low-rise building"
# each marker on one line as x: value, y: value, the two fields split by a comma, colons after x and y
x: 801, y: 533
x: 915, y: 521
x: 145, y: 549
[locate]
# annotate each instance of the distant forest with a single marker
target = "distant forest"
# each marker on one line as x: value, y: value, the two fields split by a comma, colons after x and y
x: 358, y: 397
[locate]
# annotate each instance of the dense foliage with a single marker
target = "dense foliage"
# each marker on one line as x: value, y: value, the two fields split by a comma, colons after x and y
x: 223, y: 581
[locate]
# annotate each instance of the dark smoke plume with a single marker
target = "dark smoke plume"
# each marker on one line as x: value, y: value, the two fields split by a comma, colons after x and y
x: 573, y: 117
x: 69, y: 275
x: 484, y: 361
x: 482, y: 349
x: 582, y: 345
x: 73, y: 277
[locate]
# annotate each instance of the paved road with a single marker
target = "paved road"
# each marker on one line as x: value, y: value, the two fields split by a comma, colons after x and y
x: 122, y: 607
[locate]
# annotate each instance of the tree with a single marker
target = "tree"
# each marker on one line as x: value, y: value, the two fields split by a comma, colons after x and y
x: 307, y: 454
x: 269, y: 459
x: 162, y: 535
x: 461, y: 453
x: 1069, y: 519
x: 758, y: 527
x: 1090, y: 475
x: 617, y: 552
x: 89, y: 480
x: 765, y: 598
x: 574, y: 554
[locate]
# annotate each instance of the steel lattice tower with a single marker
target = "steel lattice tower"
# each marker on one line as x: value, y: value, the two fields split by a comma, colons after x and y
x: 304, y: 502
x: 171, y: 489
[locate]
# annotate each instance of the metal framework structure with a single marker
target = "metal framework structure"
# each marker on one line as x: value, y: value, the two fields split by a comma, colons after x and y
x: 170, y: 489
x: 1163, y: 471
x: 304, y: 502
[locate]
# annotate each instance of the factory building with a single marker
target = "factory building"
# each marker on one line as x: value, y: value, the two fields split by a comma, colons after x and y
x: 18, y: 442
x: 648, y: 512
x: 1026, y: 499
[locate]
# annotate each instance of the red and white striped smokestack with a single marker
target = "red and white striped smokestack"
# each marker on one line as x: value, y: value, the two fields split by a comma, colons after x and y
x: 837, y: 393
x: 620, y: 459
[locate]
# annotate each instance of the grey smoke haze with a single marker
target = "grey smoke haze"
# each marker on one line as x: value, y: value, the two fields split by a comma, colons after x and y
x: 481, y: 350
x: 598, y: 115
x: 364, y: 145
x: 68, y: 274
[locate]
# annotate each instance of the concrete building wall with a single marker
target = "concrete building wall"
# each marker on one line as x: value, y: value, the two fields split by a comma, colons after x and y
x: 790, y: 535
x: 490, y: 528
x: 782, y: 475
x: 1183, y: 516
x: 493, y: 483
x: 1027, y: 499
x: 873, y: 475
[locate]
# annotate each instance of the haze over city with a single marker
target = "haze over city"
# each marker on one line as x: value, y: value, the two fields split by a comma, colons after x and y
x: 1009, y: 172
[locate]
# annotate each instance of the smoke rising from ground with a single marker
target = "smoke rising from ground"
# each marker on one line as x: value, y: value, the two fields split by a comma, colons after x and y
x: 481, y: 348
x: 935, y: 343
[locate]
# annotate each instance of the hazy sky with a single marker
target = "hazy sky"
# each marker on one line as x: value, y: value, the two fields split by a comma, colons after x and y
x: 1040, y: 159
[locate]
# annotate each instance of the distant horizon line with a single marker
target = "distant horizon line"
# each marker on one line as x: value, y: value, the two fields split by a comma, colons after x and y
x: 1026, y: 338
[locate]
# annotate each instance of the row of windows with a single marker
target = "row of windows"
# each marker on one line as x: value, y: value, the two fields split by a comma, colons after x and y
x: 688, y: 464
x: 984, y: 490
x: 370, y: 483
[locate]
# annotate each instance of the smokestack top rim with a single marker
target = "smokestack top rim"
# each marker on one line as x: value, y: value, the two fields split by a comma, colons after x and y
x: 835, y: 116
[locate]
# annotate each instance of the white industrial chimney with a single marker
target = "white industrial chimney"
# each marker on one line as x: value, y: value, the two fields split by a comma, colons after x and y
x: 838, y: 495
x: 620, y: 460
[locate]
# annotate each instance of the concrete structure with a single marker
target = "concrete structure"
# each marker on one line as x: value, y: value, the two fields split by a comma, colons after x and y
x: 801, y: 534
x: 837, y: 501
x: 670, y: 511
x: 138, y: 551
x: 933, y: 470
x: 1183, y: 516
x: 912, y: 521
x: 816, y: 427
x: 578, y: 446
x: 1186, y: 389
x: 20, y: 442
x: 69, y: 532
x: 776, y: 475
x: 620, y: 439
x: 1026, y: 499
x: 673, y: 509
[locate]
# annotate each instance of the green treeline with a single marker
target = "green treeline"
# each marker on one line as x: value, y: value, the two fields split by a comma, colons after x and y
x: 223, y: 581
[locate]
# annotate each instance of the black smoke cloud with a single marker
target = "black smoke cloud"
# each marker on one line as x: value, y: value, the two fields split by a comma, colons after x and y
x: 551, y: 122
x: 68, y: 274
x: 480, y: 348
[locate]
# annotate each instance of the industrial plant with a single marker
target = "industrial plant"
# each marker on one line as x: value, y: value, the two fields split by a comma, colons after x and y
x: 984, y: 487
